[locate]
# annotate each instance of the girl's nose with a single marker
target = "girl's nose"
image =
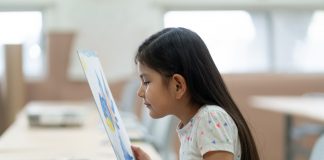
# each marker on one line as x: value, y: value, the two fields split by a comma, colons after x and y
x: 140, y: 92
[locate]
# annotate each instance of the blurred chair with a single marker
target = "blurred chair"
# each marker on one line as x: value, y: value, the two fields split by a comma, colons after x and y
x: 307, y: 129
x: 161, y: 134
x: 129, y: 93
x: 317, y: 152
x: 127, y: 105
x: 303, y: 131
x: 146, y: 120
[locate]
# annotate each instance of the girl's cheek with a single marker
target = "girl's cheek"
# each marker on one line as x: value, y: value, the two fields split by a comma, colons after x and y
x: 148, y: 93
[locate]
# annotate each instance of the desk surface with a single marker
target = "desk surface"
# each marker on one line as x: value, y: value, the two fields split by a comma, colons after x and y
x: 88, y: 142
x: 310, y: 107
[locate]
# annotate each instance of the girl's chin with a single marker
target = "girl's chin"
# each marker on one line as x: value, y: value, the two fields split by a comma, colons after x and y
x: 154, y: 115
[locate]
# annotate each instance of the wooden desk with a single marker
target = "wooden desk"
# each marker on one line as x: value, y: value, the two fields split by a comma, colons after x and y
x: 310, y: 107
x: 88, y: 142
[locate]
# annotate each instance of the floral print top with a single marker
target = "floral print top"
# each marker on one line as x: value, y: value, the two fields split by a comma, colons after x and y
x: 211, y: 129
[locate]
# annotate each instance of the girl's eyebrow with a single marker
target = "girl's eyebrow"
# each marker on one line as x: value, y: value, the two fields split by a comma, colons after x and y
x: 143, y: 75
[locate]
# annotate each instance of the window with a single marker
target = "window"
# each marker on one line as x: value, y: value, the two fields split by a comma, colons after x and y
x: 300, y: 42
x: 23, y: 28
x: 258, y: 41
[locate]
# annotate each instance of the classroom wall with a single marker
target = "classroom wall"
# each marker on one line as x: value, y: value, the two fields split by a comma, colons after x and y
x: 115, y: 28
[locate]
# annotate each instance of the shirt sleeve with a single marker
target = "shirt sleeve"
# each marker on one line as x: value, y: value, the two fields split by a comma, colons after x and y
x: 216, y: 132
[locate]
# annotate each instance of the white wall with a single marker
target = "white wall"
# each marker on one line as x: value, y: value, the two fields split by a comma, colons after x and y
x: 115, y: 28
x: 112, y: 28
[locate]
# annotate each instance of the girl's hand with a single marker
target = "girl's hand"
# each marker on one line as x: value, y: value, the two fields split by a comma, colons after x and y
x: 140, y: 154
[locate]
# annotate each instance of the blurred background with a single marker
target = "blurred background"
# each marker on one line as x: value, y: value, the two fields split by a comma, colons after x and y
x: 261, y: 47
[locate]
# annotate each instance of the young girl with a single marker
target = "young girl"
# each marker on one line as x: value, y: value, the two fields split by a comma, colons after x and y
x: 180, y: 78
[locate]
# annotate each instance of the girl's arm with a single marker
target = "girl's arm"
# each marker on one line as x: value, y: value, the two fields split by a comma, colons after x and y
x: 140, y: 154
x: 218, y: 155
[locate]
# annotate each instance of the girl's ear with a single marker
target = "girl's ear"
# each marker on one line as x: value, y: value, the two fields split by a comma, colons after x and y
x: 179, y: 85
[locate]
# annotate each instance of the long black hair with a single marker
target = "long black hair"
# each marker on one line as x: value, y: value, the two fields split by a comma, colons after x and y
x: 181, y: 51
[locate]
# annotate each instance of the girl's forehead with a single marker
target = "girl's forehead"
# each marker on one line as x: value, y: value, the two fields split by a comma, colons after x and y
x: 143, y: 68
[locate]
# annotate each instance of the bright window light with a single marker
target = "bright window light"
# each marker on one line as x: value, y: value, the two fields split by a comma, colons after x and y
x: 214, y: 22
x: 309, y: 52
x: 229, y: 35
x: 23, y: 28
x: 316, y: 28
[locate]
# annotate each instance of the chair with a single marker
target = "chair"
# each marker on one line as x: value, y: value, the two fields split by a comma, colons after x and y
x: 146, y: 120
x: 128, y: 97
x: 161, y: 136
x: 317, y: 152
x: 127, y: 109
x: 306, y: 129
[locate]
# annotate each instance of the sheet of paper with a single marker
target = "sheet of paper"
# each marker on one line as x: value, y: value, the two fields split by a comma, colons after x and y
x: 106, y: 105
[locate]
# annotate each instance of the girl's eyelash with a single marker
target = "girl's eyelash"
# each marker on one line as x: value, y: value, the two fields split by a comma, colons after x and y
x: 146, y: 82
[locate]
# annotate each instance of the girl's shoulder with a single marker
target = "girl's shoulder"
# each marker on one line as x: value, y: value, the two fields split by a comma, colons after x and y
x: 211, y: 109
x: 214, y: 113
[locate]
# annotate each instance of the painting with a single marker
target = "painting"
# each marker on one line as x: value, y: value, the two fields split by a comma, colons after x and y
x: 106, y: 105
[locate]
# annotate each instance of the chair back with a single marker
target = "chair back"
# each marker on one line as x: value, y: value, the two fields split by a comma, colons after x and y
x: 128, y: 97
x: 162, y: 137
x: 318, y: 149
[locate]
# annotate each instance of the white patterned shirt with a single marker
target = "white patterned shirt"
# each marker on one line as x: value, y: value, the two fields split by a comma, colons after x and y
x: 211, y: 129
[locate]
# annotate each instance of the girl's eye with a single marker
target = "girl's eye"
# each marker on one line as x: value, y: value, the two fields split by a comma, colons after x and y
x: 146, y: 82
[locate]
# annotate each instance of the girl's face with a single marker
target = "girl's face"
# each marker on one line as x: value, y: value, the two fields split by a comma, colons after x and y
x: 155, y: 92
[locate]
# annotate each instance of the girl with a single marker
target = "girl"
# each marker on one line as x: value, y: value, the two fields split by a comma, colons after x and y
x: 180, y: 78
